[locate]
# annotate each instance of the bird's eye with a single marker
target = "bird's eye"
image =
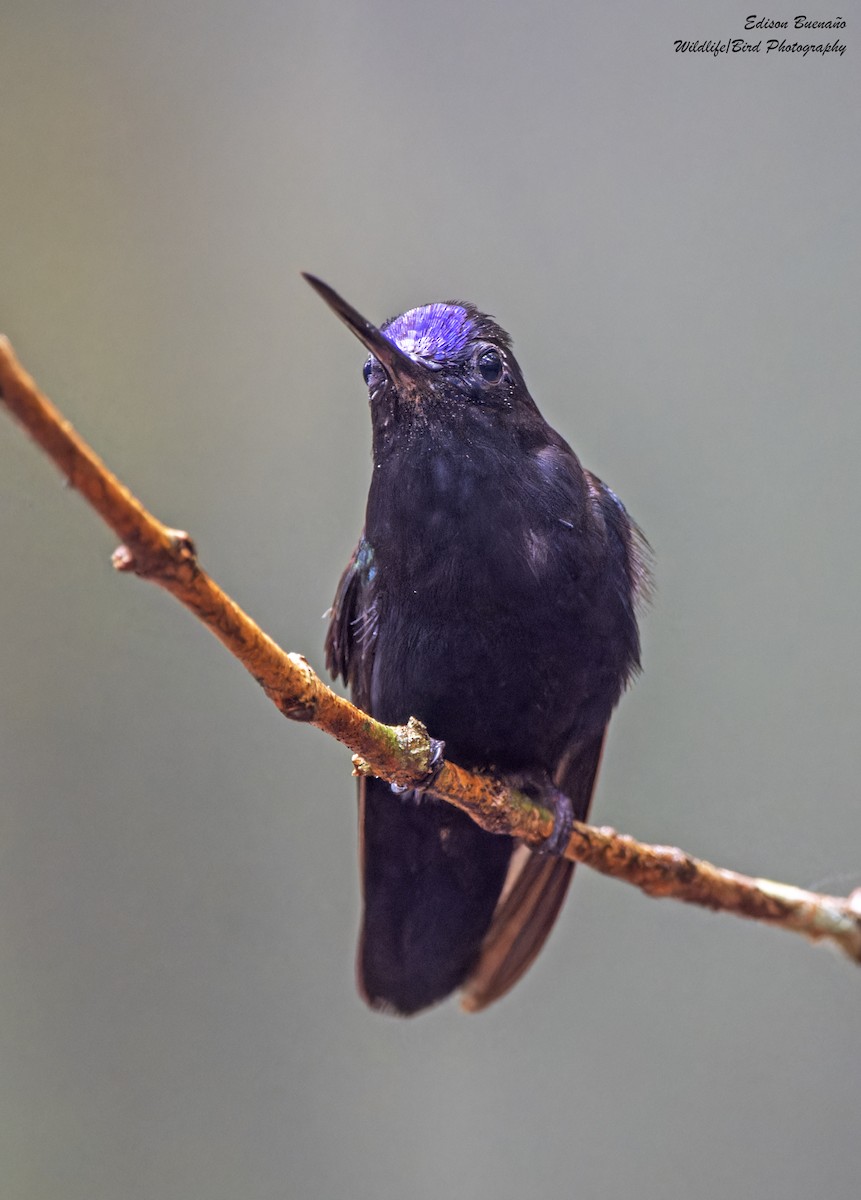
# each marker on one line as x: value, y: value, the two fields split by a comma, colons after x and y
x: 489, y: 365
x: 366, y: 370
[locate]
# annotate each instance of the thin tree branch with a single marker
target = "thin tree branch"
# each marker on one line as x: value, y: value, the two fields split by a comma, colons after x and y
x: 403, y: 755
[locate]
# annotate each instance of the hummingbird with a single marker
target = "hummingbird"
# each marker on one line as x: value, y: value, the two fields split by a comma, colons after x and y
x: 493, y: 594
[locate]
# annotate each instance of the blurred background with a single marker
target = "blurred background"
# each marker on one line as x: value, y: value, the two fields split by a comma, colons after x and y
x: 673, y: 241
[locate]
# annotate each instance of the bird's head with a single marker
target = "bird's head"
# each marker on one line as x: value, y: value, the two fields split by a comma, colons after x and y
x: 435, y: 364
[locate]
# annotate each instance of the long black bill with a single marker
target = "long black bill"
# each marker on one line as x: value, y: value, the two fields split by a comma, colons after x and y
x: 404, y: 373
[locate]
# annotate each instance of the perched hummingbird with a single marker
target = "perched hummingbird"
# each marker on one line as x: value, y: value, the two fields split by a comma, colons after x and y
x: 492, y: 595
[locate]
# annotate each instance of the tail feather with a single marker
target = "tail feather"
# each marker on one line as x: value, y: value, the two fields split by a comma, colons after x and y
x: 533, y: 895
x: 431, y: 881
x: 519, y: 929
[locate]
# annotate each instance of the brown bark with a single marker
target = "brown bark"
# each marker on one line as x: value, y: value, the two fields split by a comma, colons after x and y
x: 404, y: 755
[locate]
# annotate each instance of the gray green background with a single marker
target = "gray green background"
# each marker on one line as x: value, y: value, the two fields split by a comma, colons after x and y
x: 674, y: 243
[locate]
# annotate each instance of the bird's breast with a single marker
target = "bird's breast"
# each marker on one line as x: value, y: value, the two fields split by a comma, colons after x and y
x: 479, y: 633
x: 461, y: 516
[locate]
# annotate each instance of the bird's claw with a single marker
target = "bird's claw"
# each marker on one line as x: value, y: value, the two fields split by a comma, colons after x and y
x: 563, y: 819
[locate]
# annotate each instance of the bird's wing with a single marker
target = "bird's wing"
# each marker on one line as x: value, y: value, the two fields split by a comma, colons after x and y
x: 533, y: 894
x: 353, y: 624
x: 430, y: 876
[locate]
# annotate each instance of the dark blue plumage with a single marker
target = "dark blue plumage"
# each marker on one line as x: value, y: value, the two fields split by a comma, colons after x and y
x: 492, y: 595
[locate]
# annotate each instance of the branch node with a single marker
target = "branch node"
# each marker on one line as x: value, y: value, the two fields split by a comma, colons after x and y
x: 174, y: 558
x: 302, y: 702
x: 182, y: 546
x: 123, y: 559
x: 425, y: 754
x: 361, y: 766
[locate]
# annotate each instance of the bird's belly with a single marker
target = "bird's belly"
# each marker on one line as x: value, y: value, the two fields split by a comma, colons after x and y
x: 501, y: 686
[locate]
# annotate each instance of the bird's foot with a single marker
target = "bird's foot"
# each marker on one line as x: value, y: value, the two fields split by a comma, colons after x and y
x: 563, y: 818
x: 542, y: 791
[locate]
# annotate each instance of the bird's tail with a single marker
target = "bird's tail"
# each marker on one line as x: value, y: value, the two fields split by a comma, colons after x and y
x: 537, y: 885
x: 431, y: 881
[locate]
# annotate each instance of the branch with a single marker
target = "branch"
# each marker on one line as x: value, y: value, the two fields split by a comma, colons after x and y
x: 404, y: 754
